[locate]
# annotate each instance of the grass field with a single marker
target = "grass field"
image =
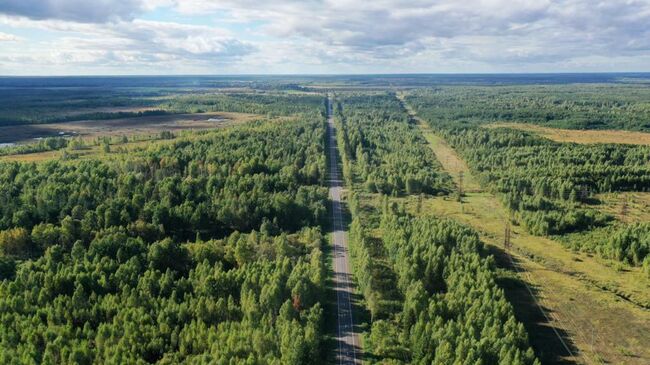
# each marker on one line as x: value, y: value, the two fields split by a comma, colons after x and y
x: 598, y: 309
x: 580, y: 136
x: 119, y: 127
x: 148, y: 130
x: 94, y: 151
x: 637, y: 206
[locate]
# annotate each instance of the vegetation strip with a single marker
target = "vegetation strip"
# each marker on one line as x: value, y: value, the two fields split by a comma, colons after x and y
x: 431, y: 259
x: 476, y: 217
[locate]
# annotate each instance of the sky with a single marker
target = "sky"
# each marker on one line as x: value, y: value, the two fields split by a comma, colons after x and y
x: 158, y: 37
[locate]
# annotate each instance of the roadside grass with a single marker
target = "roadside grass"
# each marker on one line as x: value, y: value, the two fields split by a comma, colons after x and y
x: 599, y: 308
x: 579, y: 136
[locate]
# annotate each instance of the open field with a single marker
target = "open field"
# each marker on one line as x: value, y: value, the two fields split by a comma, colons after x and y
x: 119, y: 127
x: 580, y: 136
x: 638, y: 206
x: 90, y: 152
x: 601, y: 309
x: 147, y: 131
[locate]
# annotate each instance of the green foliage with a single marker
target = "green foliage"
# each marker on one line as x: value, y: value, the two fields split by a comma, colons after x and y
x: 384, y: 150
x: 15, y: 242
x: 583, y: 106
x: 178, y: 308
x: 629, y: 243
x: 453, y: 311
x: 105, y: 273
x: 546, y: 183
x: 214, y: 184
x: 274, y: 104
x: 47, y: 144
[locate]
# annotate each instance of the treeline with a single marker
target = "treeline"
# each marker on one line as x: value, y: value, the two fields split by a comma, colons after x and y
x: 581, y: 106
x: 273, y: 104
x: 60, y: 118
x: 46, y: 144
x: 629, y: 243
x: 46, y: 106
x: 372, y: 268
x: 72, y: 144
x: 383, y: 150
x: 49, y: 105
x: 450, y: 310
x: 546, y: 184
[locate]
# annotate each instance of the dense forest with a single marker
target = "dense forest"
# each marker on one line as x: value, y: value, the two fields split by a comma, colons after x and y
x: 45, y: 105
x: 214, y: 184
x: 427, y: 283
x: 577, y: 106
x: 273, y: 104
x: 205, y: 250
x: 250, y: 298
x: 210, y: 246
x: 383, y: 150
x: 449, y: 308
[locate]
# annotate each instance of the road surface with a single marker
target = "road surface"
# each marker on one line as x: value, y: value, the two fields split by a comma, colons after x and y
x: 347, y: 338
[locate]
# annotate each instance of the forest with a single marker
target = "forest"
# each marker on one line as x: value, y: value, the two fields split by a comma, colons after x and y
x: 25, y: 107
x: 439, y: 303
x: 185, y: 252
x: 215, y: 246
x: 382, y: 150
x: 548, y: 186
x: 428, y: 283
x: 572, y: 106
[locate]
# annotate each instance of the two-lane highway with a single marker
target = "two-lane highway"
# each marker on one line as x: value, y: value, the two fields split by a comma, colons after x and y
x: 348, y: 339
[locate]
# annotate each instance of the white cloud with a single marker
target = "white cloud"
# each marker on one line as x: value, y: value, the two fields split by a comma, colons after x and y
x: 4, y: 37
x: 90, y: 11
x: 340, y: 35
x: 135, y: 45
x: 520, y: 30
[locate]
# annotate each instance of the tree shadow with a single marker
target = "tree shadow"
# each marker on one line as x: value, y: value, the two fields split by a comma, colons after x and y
x: 552, y: 345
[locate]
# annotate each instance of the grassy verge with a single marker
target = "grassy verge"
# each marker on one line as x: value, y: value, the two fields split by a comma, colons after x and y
x: 596, y: 308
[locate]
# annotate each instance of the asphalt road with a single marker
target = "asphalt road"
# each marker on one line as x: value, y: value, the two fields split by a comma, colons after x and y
x: 347, y: 336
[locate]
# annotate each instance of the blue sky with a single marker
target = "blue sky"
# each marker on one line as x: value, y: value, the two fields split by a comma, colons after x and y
x: 82, y: 37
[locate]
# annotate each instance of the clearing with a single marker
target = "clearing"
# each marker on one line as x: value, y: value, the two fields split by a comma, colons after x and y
x: 123, y: 126
x: 580, y: 136
x: 637, y: 206
x: 600, y: 312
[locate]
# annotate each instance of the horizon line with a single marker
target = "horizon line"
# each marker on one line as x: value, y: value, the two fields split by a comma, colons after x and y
x: 341, y: 74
